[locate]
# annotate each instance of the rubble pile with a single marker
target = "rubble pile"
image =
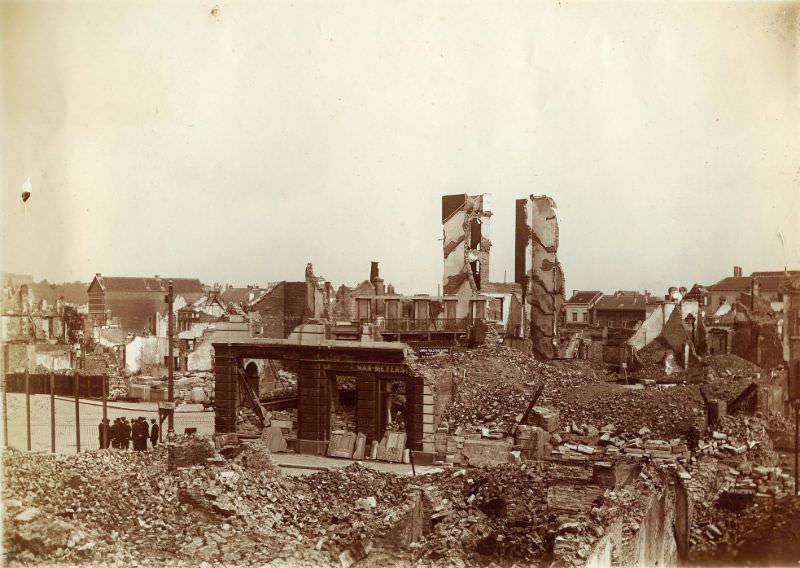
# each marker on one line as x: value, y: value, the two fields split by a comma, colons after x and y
x: 498, y: 385
x: 737, y: 434
x: 187, y: 383
x: 733, y: 525
x: 118, y: 384
x: 247, y: 422
x: 127, y: 507
x: 497, y: 511
x: 665, y: 411
x: 505, y: 514
x: 585, y: 443
x: 285, y: 384
x: 191, y: 449
x: 731, y: 365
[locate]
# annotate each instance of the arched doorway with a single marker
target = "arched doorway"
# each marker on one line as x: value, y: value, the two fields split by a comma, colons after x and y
x: 251, y: 372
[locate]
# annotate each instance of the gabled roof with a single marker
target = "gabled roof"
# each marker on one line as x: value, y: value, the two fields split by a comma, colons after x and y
x: 620, y: 302
x: 773, y: 281
x: 733, y: 284
x: 144, y: 284
x: 584, y: 296
x: 236, y: 295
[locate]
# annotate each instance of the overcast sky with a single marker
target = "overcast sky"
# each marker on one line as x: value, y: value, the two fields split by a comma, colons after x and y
x: 237, y: 144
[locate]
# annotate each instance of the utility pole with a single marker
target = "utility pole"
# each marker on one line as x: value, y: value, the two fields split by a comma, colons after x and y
x: 170, y: 364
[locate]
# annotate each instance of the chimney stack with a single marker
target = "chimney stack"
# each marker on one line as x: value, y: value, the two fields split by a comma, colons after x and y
x: 380, y: 290
x: 373, y: 272
x: 737, y: 271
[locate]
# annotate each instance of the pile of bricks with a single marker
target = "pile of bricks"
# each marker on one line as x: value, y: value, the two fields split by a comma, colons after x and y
x: 763, y: 483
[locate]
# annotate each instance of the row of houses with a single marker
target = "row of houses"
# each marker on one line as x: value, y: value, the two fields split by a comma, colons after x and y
x: 740, y: 314
x: 759, y: 292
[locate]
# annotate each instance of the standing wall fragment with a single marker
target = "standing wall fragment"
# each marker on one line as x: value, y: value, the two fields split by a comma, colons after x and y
x: 538, y: 271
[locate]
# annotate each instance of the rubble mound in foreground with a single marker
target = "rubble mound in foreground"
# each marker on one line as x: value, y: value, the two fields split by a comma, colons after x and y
x: 514, y: 514
x: 127, y: 507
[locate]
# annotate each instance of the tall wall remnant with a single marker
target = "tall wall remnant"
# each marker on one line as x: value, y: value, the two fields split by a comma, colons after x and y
x: 537, y: 269
x: 465, y: 224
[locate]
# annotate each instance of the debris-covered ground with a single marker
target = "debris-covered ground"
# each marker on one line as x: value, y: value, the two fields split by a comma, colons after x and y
x: 494, y: 385
x: 127, y: 507
x: 499, y: 383
x: 511, y: 514
x: 231, y: 506
x: 117, y: 506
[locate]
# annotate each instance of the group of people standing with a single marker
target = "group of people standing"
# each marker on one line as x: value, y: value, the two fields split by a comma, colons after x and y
x: 122, y: 432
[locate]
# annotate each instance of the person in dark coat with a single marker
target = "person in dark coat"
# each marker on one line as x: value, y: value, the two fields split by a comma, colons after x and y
x: 126, y: 434
x: 154, y: 430
x: 116, y: 434
x: 136, y: 432
x: 101, y: 428
x: 140, y: 434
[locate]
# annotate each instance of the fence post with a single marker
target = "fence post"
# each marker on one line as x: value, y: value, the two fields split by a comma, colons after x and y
x: 5, y: 410
x: 104, y: 437
x: 52, y: 412
x: 28, y: 408
x: 77, y: 415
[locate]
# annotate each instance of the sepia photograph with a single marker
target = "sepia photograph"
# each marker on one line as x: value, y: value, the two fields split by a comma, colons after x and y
x: 362, y: 283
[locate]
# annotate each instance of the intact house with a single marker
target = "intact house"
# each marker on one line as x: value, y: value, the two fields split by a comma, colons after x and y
x: 131, y: 303
x: 623, y: 309
x: 769, y: 286
x: 764, y: 285
x: 579, y: 309
x: 729, y: 289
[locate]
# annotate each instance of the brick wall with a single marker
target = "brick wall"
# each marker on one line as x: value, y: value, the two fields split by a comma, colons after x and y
x: 314, y: 411
x: 280, y: 311
x: 295, y: 306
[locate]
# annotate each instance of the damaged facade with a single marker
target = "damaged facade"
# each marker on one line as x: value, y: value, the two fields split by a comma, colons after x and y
x: 35, y: 333
x: 539, y: 272
x: 469, y: 300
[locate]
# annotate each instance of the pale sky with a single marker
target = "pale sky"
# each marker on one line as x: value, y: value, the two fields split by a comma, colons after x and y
x: 160, y: 138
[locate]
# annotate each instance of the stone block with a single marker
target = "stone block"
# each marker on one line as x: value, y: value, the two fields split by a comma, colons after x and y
x: 486, y: 452
x: 545, y: 418
x: 577, y: 498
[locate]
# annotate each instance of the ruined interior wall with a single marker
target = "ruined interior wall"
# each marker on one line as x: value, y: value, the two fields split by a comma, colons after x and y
x: 21, y: 357
x: 544, y: 278
x: 54, y: 360
x: 202, y: 358
x: 466, y: 240
x: 344, y: 306
x: 268, y: 314
x: 454, y: 247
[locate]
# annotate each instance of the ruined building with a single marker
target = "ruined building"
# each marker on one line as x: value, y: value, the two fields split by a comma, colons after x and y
x: 537, y: 270
x: 465, y: 225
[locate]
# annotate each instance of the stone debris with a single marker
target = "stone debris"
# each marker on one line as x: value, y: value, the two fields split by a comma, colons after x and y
x: 130, y: 509
x: 498, y: 386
